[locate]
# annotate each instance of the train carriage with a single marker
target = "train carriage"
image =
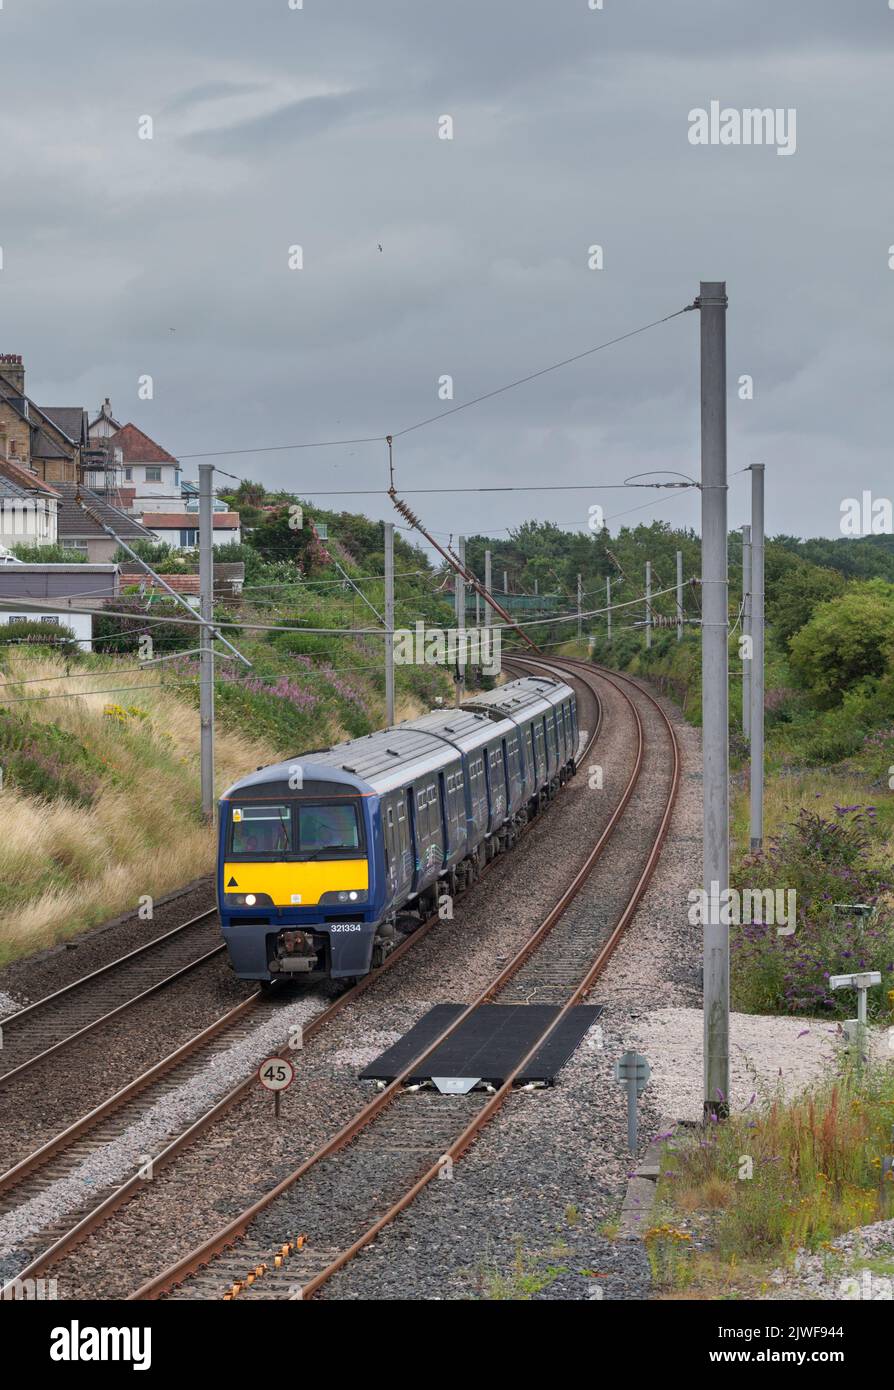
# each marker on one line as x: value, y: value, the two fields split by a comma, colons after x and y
x: 319, y: 854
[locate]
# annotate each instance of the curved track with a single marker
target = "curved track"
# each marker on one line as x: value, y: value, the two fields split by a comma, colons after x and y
x: 399, y: 1142
x: 59, y: 1157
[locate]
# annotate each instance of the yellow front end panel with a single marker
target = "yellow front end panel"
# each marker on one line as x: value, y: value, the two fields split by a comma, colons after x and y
x: 297, y: 885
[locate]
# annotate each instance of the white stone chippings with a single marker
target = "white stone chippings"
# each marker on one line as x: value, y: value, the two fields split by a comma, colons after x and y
x: 841, y: 1271
x: 765, y: 1052
x: 114, y: 1162
x: 8, y: 1005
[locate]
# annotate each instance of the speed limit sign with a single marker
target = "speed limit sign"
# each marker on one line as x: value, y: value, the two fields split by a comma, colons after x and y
x: 275, y: 1074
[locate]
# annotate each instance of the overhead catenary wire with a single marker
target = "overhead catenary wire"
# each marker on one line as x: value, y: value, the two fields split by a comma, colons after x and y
x: 251, y: 625
x: 453, y: 410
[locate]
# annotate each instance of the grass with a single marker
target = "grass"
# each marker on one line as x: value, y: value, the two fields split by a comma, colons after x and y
x: 527, y: 1274
x: 739, y: 1199
x: 105, y: 807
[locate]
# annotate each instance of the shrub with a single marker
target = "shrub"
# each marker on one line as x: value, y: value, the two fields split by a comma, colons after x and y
x: 45, y: 761
x: 115, y: 634
x: 847, y: 639
x: 49, y: 555
x: 34, y: 633
x: 826, y: 861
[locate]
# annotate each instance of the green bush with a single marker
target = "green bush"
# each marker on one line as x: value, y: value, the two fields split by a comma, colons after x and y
x: 847, y: 639
x: 43, y: 760
x: 49, y: 555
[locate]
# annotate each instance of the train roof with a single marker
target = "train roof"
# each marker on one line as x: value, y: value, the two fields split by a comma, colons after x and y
x: 521, y: 697
x: 381, y: 761
x: 376, y: 763
x: 465, y: 728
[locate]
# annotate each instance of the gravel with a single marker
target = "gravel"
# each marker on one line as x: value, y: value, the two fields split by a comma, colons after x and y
x: 525, y: 1211
x: 765, y: 1054
x: 111, y: 1164
x: 858, y: 1265
x: 190, y: 1199
x: 57, y: 1091
x: 33, y: 977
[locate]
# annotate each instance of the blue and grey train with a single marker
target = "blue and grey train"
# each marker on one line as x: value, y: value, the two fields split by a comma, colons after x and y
x: 325, y: 857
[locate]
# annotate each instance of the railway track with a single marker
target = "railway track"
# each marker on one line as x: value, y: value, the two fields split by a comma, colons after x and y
x: 60, y: 1158
x: 311, y: 1224
x: 46, y: 1027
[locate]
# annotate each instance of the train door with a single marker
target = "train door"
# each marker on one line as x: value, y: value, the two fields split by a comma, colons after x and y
x: 444, y: 817
x: 531, y: 761
x: 552, y: 742
x: 436, y: 837
x: 392, y: 849
x: 496, y: 779
x: 404, y: 842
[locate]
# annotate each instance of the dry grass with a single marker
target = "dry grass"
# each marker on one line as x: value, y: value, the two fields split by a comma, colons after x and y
x: 818, y: 790
x: 64, y: 866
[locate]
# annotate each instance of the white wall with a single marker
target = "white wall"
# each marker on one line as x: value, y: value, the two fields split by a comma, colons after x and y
x: 81, y: 624
x: 28, y: 521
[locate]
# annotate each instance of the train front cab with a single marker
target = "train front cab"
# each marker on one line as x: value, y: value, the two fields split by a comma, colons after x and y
x: 299, y: 890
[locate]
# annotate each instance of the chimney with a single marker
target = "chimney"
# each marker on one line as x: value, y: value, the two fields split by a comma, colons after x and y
x: 106, y: 409
x: 13, y: 368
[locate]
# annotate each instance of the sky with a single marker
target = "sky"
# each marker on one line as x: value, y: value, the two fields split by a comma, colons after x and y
x: 317, y: 126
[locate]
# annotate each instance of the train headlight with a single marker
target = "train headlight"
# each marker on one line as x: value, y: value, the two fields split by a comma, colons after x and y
x: 250, y: 900
x: 346, y: 895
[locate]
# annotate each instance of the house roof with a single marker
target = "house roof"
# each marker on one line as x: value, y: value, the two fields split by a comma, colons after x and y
x: 43, y: 446
x: 137, y: 447
x: 76, y: 524
x: 103, y: 415
x: 183, y: 583
x: 23, y: 478
x: 29, y: 410
x: 70, y: 419
x: 173, y: 521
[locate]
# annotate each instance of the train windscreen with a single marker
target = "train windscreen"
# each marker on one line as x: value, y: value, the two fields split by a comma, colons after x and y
x: 328, y: 827
x: 260, y: 829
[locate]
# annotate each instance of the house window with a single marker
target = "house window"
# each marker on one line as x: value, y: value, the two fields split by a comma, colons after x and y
x: 153, y: 475
x: 128, y: 475
x: 189, y: 537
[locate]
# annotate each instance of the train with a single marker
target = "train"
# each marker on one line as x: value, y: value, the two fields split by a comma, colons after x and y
x: 327, y: 859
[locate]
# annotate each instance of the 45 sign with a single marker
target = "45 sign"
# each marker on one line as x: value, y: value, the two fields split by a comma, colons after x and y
x: 275, y: 1074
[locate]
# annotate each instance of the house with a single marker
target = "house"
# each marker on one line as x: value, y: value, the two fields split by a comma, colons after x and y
x: 105, y: 424
x: 181, y: 529
x: 28, y: 507
x: 56, y: 594
x: 80, y: 526
x: 150, y: 470
x: 189, y: 491
x: 46, y: 441
x: 229, y: 578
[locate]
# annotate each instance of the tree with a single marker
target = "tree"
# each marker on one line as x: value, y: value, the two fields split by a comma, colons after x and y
x: 848, y: 639
x: 792, y: 600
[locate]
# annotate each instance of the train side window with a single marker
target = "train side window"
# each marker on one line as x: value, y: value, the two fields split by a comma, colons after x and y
x: 390, y: 815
